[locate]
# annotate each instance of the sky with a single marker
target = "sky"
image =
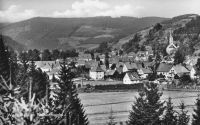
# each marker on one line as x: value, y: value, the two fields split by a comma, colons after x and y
x: 17, y: 10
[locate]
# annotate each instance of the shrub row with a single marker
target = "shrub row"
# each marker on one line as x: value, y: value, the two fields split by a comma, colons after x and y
x: 118, y: 87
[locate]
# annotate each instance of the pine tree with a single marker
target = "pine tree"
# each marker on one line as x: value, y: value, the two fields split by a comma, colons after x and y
x: 183, y: 118
x: 111, y: 118
x: 4, y: 64
x: 68, y: 99
x: 147, y: 108
x: 169, y: 118
x: 196, y: 116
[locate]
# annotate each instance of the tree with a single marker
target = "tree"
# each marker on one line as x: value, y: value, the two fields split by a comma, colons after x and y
x: 4, y: 64
x: 46, y: 55
x: 36, y: 55
x: 55, y: 54
x: 183, y: 118
x: 185, y: 80
x: 196, y: 115
x: 97, y: 58
x: 68, y: 100
x: 198, y: 67
x: 179, y: 56
x: 107, y: 64
x: 111, y: 118
x: 169, y: 118
x: 23, y: 57
x: 147, y: 108
x: 103, y: 47
x: 157, y: 27
x: 39, y: 82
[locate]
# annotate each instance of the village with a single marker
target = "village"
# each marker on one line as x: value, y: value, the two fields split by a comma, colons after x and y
x: 114, y: 68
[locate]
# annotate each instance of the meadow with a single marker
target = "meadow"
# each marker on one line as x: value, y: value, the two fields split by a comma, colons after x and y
x: 98, y: 105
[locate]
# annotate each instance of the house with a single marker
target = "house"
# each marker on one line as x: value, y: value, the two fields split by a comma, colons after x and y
x: 142, y: 56
x: 179, y: 70
x: 96, y: 73
x: 53, y: 73
x: 86, y: 57
x: 131, y: 78
x: 131, y: 54
x: 144, y: 72
x: 149, y: 50
x: 80, y: 63
x: 191, y: 60
x: 47, y: 66
x: 192, y: 70
x: 165, y: 70
x: 91, y: 63
x: 129, y: 67
x: 168, y: 59
x: 111, y: 74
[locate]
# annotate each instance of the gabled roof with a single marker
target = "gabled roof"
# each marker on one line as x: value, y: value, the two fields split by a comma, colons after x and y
x: 180, y: 69
x: 163, y: 67
x: 132, y: 54
x: 139, y: 65
x: 110, y: 72
x: 91, y: 63
x: 146, y: 71
x: 97, y: 69
x: 47, y: 64
x: 133, y: 76
x: 81, y: 62
x: 131, y: 66
x: 85, y: 56
x: 119, y: 70
x: 127, y: 59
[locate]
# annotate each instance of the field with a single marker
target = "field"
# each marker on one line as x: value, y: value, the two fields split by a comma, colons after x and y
x: 98, y: 105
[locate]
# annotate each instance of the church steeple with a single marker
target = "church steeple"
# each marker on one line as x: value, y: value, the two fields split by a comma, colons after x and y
x: 171, y: 47
x: 171, y: 40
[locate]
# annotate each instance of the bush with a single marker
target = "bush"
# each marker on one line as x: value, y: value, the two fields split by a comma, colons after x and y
x: 119, y: 87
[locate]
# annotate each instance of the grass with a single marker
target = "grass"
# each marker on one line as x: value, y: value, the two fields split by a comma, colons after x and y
x: 98, y: 105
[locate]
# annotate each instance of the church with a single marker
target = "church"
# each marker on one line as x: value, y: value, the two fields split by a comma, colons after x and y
x: 171, y: 48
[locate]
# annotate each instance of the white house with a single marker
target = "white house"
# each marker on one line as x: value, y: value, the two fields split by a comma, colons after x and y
x: 96, y: 73
x: 165, y: 70
x: 142, y: 56
x: 131, y: 78
x: 192, y: 70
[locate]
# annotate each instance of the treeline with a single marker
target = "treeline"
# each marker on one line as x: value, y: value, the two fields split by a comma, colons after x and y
x: 119, y: 87
x: 47, y: 55
x: 26, y: 95
x: 192, y: 27
x: 148, y: 109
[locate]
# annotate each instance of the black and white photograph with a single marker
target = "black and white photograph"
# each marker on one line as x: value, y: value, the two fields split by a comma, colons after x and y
x: 99, y: 62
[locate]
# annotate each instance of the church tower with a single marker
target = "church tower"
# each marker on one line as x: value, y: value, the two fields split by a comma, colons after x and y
x: 171, y: 48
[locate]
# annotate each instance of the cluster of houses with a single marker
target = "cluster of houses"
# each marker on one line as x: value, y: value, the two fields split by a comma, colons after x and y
x: 129, y: 68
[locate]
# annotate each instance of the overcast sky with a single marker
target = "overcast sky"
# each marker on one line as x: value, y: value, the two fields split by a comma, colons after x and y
x: 17, y: 10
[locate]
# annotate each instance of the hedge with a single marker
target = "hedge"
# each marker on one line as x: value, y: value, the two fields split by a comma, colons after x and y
x: 119, y: 87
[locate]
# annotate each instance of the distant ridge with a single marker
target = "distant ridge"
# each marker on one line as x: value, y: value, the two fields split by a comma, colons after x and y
x: 68, y: 33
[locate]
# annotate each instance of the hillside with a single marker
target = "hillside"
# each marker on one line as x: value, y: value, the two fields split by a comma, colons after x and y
x: 185, y: 28
x: 11, y: 44
x: 68, y: 33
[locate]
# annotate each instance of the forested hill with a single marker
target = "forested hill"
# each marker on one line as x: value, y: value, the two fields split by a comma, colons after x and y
x: 67, y: 33
x: 11, y: 44
x: 185, y: 28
